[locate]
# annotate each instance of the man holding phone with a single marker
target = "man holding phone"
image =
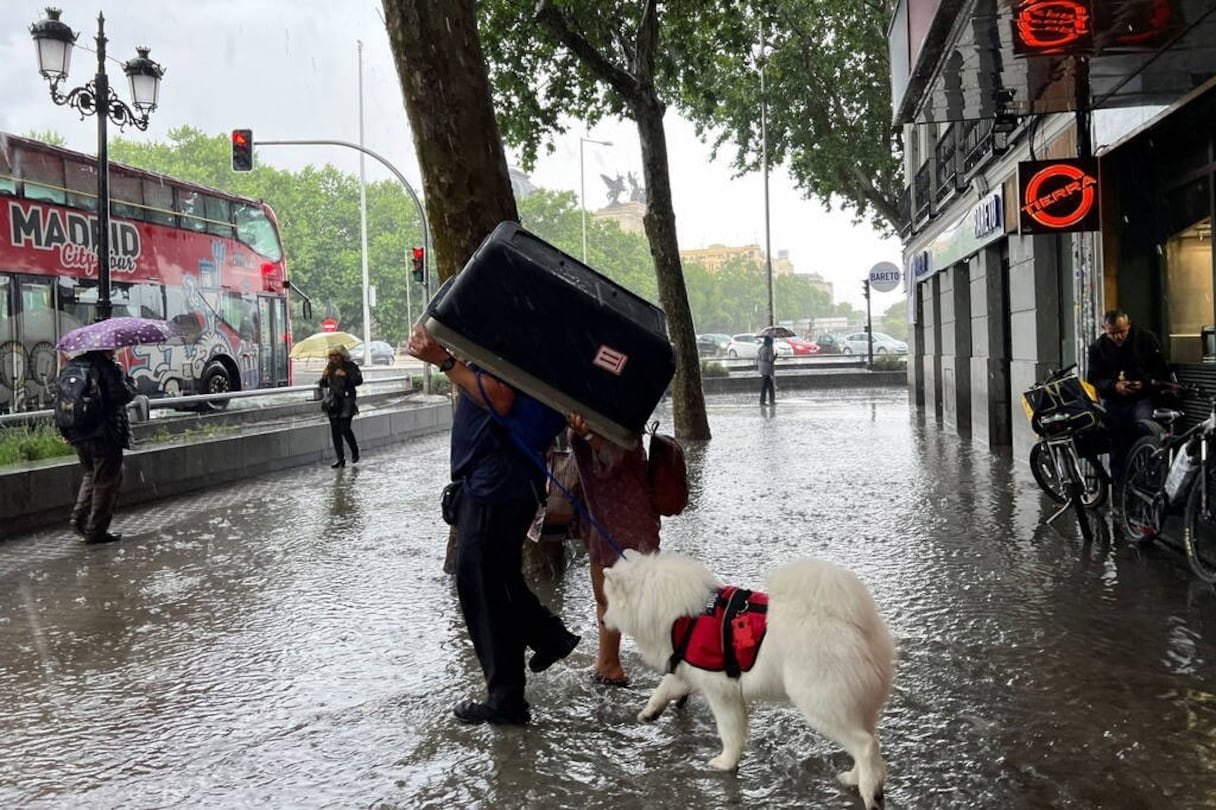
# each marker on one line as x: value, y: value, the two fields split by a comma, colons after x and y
x: 1127, y: 366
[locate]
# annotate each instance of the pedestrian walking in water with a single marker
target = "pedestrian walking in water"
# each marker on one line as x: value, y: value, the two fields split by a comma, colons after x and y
x: 338, y: 400
x: 91, y: 399
x: 501, y: 487
x: 766, y: 358
x: 616, y: 491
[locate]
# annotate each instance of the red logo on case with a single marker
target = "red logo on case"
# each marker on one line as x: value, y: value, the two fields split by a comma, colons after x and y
x: 610, y: 360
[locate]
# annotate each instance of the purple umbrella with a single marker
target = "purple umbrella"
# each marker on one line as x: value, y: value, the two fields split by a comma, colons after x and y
x: 114, y: 333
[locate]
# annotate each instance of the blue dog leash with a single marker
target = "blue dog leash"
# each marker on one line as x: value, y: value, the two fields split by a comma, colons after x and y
x: 575, y: 501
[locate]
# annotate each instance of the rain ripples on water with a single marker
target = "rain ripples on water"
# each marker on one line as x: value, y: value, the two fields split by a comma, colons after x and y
x: 292, y: 641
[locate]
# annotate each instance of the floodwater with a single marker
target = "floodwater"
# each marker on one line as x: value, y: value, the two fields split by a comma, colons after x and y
x: 293, y: 642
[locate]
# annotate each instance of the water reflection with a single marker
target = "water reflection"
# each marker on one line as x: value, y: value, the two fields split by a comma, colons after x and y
x: 293, y: 642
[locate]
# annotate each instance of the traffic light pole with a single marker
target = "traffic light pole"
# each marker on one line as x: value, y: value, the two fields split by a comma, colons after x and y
x: 426, y: 231
x: 865, y: 286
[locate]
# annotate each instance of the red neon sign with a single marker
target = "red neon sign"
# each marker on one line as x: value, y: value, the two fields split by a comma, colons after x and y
x: 1053, y: 26
x: 1058, y: 196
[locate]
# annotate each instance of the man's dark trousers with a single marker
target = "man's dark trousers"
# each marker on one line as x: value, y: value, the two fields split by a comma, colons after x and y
x: 1122, y: 418
x: 98, y: 494
x: 501, y: 613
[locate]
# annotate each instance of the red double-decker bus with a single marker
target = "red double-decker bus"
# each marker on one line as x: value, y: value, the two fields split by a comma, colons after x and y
x: 205, y: 259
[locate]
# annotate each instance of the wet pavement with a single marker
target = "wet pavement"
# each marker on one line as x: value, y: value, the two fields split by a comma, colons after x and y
x: 293, y: 642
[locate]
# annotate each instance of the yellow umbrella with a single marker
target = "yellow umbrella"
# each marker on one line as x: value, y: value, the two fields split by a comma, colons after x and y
x: 318, y: 345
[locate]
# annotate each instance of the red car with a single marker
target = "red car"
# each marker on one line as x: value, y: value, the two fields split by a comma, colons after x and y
x: 802, y: 347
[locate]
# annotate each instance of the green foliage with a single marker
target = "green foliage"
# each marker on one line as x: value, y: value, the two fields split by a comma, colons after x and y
x: 318, y: 213
x: 31, y: 443
x: 889, y: 362
x: 827, y: 85
x: 895, y: 320
x: 47, y: 136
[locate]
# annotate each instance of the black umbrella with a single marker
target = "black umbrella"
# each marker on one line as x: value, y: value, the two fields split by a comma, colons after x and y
x: 777, y: 332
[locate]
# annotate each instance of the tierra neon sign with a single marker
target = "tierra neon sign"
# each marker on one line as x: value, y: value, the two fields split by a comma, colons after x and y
x: 1058, y: 196
x: 1053, y: 26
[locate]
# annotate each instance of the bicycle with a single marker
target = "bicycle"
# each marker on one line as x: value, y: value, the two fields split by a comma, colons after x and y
x: 1064, y: 411
x: 1170, y: 471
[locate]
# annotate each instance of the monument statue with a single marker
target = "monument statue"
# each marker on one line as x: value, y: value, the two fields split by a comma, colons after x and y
x: 616, y: 187
x: 636, y: 192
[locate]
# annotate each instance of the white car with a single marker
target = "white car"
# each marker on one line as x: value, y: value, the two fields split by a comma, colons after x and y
x: 856, y: 343
x: 746, y: 346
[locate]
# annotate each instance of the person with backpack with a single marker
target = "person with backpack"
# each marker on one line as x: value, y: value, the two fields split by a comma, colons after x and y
x: 91, y: 399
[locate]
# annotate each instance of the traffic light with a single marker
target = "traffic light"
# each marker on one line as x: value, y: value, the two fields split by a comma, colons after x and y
x: 242, y: 150
x: 865, y: 289
x: 419, y: 265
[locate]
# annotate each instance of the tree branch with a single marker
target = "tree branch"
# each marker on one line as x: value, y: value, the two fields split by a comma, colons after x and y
x: 648, y: 37
x: 621, y: 81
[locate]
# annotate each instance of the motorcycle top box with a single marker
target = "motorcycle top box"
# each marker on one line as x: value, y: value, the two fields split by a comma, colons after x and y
x: 551, y: 326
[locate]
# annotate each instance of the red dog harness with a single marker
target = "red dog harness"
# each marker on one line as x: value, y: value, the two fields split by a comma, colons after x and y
x: 725, y: 637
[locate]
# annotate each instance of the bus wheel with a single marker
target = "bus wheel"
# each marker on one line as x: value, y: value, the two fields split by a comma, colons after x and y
x: 216, y: 381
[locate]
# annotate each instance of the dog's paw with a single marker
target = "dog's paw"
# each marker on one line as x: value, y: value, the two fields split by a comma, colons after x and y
x: 848, y: 778
x: 722, y: 762
x: 648, y: 716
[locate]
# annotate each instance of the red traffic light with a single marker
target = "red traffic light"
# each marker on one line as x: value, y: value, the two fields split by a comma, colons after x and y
x: 418, y: 254
x: 242, y: 150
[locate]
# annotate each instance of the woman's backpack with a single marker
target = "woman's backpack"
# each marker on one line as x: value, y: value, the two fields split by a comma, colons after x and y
x: 667, y: 474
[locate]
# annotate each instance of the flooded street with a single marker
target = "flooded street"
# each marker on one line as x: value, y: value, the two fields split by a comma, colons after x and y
x: 293, y: 642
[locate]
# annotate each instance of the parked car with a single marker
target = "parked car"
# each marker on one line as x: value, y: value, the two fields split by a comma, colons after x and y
x: 802, y: 347
x: 382, y: 353
x: 828, y: 344
x: 712, y: 344
x: 746, y: 346
x: 856, y: 343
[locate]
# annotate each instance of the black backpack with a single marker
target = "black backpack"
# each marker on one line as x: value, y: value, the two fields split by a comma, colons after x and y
x: 78, y: 405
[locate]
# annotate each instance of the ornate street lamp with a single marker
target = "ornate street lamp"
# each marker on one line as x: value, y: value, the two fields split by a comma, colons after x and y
x: 54, y: 41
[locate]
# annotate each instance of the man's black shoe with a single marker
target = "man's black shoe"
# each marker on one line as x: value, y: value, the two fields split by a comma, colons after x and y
x: 104, y: 537
x: 543, y: 659
x: 77, y: 525
x: 473, y: 713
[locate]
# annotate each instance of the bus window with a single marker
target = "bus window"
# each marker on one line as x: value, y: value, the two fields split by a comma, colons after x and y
x: 190, y: 206
x: 77, y: 303
x: 8, y: 182
x: 219, y: 216
x: 126, y: 195
x: 43, y: 176
x: 255, y: 230
x: 81, y: 182
x: 158, y: 203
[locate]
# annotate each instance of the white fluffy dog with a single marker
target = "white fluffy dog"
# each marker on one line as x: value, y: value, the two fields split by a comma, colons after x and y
x: 826, y: 650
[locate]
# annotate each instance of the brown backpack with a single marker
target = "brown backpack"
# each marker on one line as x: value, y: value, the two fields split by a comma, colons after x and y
x: 667, y: 474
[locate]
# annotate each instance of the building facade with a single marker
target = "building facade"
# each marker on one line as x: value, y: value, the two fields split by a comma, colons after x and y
x: 1059, y: 156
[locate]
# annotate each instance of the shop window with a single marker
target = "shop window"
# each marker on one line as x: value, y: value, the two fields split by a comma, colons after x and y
x: 1188, y: 290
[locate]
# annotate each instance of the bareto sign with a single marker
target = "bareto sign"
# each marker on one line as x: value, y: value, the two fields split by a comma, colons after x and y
x: 884, y: 277
x: 1058, y: 196
x: 329, y: 325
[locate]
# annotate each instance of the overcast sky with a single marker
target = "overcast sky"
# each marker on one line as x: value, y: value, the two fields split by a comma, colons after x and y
x: 289, y: 69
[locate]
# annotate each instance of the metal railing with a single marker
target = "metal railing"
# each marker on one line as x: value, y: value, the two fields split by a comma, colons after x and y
x: 141, y: 407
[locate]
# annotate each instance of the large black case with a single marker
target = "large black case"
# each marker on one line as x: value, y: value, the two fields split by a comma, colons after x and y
x: 556, y: 329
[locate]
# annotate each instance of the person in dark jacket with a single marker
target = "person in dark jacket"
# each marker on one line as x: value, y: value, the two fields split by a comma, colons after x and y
x: 766, y: 357
x: 100, y: 451
x: 1127, y: 367
x: 498, y: 498
x: 338, y: 383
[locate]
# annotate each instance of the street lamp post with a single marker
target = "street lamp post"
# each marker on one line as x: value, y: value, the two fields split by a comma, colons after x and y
x: 54, y: 41
x: 582, y: 187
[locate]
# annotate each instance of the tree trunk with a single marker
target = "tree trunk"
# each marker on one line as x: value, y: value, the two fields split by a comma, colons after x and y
x: 688, y: 398
x: 447, y: 98
x: 464, y: 169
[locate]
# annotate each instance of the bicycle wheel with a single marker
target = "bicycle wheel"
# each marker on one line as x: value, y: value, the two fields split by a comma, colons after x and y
x: 1199, y: 533
x: 1093, y: 474
x: 1141, y: 497
x: 1043, y: 468
x: 1077, y: 492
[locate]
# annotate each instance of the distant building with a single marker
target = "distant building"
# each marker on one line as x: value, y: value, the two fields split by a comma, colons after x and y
x: 628, y: 215
x: 521, y: 184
